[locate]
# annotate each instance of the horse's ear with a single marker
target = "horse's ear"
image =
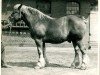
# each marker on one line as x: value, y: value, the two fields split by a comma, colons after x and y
x: 19, y: 7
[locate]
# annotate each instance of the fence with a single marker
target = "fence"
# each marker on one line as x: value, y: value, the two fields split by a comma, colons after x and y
x: 17, y: 35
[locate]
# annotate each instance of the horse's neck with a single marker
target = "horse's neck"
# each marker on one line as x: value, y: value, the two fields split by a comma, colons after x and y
x: 25, y: 19
x: 38, y: 16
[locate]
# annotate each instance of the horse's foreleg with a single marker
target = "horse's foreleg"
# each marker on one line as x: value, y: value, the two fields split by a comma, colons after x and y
x: 44, y: 53
x: 41, y: 62
x: 85, y: 58
x: 77, y: 59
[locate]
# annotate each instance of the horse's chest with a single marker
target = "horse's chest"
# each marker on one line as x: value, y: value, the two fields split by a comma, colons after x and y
x: 38, y: 30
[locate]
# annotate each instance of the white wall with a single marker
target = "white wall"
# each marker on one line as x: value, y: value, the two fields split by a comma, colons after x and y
x: 94, y: 26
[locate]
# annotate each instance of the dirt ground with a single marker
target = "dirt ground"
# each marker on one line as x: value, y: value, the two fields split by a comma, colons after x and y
x: 23, y: 59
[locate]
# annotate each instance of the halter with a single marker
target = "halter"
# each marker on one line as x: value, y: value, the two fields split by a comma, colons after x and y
x: 20, y: 11
x: 20, y: 7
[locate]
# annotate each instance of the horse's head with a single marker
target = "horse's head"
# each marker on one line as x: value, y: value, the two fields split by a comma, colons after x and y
x: 26, y: 13
x: 16, y: 14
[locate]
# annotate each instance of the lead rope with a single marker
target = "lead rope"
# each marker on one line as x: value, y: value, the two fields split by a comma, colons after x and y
x: 22, y: 43
x: 20, y: 18
x: 8, y: 4
x: 10, y: 28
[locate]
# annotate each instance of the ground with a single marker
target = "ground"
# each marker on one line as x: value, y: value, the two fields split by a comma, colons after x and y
x: 23, y: 59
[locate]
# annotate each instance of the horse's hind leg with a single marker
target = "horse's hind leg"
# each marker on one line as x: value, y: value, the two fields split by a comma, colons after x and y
x: 77, y: 59
x: 41, y: 62
x: 85, y: 58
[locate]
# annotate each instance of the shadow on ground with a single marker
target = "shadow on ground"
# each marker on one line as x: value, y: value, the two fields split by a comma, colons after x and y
x: 33, y: 64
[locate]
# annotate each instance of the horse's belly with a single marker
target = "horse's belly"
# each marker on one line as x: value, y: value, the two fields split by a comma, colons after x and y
x: 56, y: 36
x: 54, y: 40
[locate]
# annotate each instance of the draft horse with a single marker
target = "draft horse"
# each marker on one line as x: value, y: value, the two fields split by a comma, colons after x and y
x: 45, y: 29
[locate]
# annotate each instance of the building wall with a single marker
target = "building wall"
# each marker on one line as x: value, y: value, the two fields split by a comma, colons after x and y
x: 84, y: 9
x: 6, y: 5
x: 58, y: 8
x: 94, y: 26
x: 6, y: 11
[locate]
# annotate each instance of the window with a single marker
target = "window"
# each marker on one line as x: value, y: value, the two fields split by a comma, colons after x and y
x: 72, y: 8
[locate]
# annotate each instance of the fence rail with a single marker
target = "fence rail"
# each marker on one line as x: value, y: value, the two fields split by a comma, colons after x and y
x: 15, y: 29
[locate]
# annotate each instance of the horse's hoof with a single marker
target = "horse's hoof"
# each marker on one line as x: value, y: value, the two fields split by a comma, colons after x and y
x: 83, y: 67
x: 37, y: 67
x: 72, y: 66
x: 5, y: 66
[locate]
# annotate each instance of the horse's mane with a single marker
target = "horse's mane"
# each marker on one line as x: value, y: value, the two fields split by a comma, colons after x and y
x: 33, y: 11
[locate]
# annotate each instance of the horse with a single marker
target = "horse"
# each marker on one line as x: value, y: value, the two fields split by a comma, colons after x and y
x: 45, y: 29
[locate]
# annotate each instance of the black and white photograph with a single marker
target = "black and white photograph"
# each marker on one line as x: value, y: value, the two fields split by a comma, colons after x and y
x: 49, y: 37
